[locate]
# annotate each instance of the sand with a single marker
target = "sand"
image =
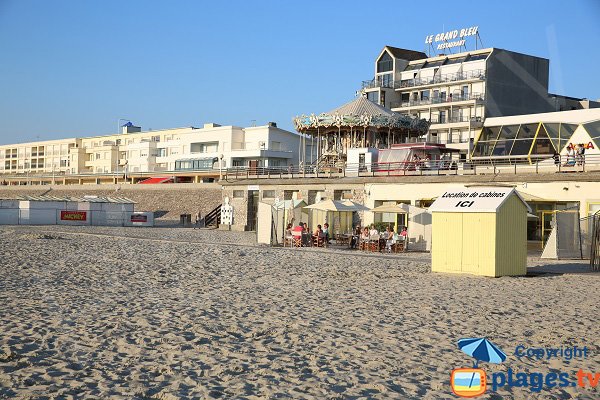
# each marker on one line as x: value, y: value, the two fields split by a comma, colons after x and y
x: 177, y: 313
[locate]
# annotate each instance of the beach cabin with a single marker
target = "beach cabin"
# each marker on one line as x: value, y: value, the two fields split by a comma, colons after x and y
x: 9, y: 212
x: 479, y: 230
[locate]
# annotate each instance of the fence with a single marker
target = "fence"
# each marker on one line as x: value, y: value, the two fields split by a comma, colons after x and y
x: 506, y: 165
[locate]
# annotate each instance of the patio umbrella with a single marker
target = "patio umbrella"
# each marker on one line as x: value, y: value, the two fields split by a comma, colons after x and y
x: 390, y: 208
x: 330, y: 205
x: 355, y: 206
x: 481, y: 349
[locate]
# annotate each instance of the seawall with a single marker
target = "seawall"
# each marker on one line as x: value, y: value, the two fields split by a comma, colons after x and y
x: 167, y: 201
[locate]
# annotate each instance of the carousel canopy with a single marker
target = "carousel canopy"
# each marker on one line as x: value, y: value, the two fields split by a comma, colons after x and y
x: 360, y: 112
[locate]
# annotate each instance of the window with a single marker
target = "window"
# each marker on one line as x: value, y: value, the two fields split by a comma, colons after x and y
x: 442, y: 117
x: 209, y: 147
x: 238, y: 194
x: 385, y: 63
x: 593, y: 129
x: 434, y: 63
x: 161, y: 152
x: 478, y: 57
x: 464, y: 92
x: 343, y: 194
x: 196, y: 165
x: 411, y: 67
x: 372, y: 96
x: 425, y: 95
x: 455, y: 60
x: 268, y: 194
x: 386, y: 80
x: 237, y: 163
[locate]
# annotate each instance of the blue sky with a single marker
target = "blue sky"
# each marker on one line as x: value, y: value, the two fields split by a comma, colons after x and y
x: 73, y: 68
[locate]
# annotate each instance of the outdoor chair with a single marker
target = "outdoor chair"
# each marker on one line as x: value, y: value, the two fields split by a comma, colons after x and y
x: 296, y: 239
x: 399, y: 246
x: 374, y: 243
x: 319, y: 241
x: 288, y: 240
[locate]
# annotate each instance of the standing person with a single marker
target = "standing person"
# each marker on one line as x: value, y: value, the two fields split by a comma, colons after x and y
x: 197, y: 220
x: 326, y: 231
x: 580, y: 154
x: 570, y: 156
x: 556, y: 158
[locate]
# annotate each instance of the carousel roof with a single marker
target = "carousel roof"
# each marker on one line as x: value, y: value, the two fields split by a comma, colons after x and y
x: 360, y: 112
x: 361, y: 105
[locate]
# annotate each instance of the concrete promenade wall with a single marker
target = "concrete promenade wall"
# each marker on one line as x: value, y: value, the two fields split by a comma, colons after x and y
x: 167, y: 201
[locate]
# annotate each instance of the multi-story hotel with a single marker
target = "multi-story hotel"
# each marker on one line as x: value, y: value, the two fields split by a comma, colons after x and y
x: 174, y: 150
x: 456, y: 92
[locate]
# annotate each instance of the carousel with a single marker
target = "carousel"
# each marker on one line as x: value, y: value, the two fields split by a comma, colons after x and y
x: 360, y: 123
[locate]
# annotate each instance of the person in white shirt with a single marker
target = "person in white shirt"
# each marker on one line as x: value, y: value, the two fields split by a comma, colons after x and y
x: 373, y: 231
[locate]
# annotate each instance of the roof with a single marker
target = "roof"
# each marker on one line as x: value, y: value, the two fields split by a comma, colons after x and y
x: 360, y: 112
x: 569, y: 117
x: 84, y: 199
x: 362, y: 106
x: 405, y: 54
x: 475, y: 199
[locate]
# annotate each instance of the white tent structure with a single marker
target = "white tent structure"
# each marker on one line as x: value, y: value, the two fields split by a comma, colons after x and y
x: 338, y: 214
x: 272, y: 219
x: 565, y: 240
x: 418, y: 226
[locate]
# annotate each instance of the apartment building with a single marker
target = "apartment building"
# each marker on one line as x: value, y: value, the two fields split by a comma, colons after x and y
x: 177, y: 150
x: 35, y: 157
x: 457, y: 92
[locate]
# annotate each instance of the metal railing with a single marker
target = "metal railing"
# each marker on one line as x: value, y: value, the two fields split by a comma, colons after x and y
x: 433, y: 80
x: 534, y: 164
x: 507, y: 165
x: 439, y: 100
x: 451, y: 120
x: 442, y: 78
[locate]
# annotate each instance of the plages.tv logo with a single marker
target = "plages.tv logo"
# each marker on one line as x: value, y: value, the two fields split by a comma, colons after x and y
x: 471, y: 382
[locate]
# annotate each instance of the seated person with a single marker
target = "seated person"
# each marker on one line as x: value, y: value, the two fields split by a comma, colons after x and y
x: 318, y: 232
x: 326, y: 231
x: 364, y: 237
x: 355, y: 237
x: 403, y: 233
x: 373, y: 231
x: 388, y: 237
x: 288, y: 230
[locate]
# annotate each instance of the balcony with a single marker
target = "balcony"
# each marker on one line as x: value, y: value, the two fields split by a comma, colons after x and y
x: 457, y: 120
x: 438, y: 101
x: 377, y: 83
x: 478, y: 74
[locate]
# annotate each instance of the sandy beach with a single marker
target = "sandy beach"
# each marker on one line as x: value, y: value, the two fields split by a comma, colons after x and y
x: 123, y: 313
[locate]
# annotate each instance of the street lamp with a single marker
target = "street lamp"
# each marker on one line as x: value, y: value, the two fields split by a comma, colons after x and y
x: 118, y: 153
x: 220, y: 167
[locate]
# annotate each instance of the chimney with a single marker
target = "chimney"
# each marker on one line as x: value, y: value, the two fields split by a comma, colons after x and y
x: 130, y: 128
x: 272, y: 124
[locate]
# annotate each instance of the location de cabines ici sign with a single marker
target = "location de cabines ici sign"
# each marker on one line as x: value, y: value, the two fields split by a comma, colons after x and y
x: 473, y: 199
x: 448, y: 39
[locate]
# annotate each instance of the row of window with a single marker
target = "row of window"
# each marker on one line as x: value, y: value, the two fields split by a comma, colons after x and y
x: 446, y: 61
x: 525, y: 139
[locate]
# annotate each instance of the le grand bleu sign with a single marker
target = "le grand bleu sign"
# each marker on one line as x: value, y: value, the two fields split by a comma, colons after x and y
x: 450, y: 39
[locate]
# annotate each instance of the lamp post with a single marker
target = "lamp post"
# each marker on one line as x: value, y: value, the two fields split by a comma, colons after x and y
x: 220, y: 167
x: 118, y: 152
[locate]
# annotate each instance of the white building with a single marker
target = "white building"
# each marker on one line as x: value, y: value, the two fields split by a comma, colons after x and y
x: 134, y: 151
x: 457, y: 92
